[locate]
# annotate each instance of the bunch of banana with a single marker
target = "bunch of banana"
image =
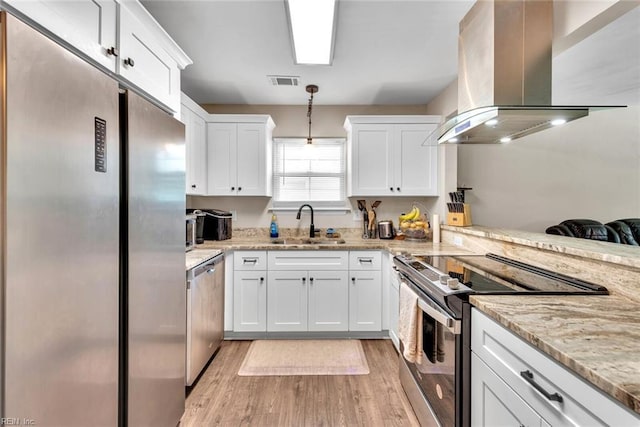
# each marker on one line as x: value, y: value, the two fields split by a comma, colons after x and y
x: 413, y: 214
x: 413, y: 220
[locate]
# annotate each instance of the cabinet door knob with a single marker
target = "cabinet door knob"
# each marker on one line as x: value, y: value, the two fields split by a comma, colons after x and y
x: 130, y: 62
x: 112, y: 51
x: 398, y: 188
x: 353, y: 279
x: 239, y: 188
x: 311, y: 280
x: 193, y: 186
x: 233, y: 188
x: 390, y: 188
x: 261, y: 279
x: 304, y: 280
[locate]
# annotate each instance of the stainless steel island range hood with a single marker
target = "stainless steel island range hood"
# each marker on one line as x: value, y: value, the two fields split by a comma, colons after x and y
x: 504, y: 75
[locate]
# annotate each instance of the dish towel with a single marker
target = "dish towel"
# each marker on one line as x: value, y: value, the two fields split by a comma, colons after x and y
x: 410, y: 324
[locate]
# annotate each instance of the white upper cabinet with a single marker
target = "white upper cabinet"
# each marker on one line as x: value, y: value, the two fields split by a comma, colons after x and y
x: 89, y: 26
x: 118, y: 36
x: 387, y: 157
x: 239, y: 155
x: 143, y: 60
x: 194, y: 119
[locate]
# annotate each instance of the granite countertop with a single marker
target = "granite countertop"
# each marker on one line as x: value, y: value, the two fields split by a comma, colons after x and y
x: 597, y: 336
x: 602, y: 251
x: 197, y: 256
x: 393, y: 246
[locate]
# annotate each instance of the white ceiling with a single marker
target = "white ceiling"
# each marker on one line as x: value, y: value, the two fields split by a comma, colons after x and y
x: 386, y: 52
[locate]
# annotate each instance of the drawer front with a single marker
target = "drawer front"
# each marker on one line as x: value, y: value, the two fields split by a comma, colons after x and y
x: 365, y: 260
x: 512, y: 359
x: 250, y: 260
x: 308, y: 260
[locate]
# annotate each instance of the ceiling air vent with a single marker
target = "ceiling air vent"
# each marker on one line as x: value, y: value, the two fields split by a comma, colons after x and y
x: 284, y: 80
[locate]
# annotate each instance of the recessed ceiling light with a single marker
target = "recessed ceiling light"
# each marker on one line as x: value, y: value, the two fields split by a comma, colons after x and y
x: 491, y: 122
x: 558, y: 122
x: 505, y: 139
x: 312, y: 28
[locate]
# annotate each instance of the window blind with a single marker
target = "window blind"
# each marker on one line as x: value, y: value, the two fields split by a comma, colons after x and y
x: 309, y: 172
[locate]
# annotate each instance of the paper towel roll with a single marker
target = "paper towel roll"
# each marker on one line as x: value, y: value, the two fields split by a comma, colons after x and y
x: 435, y: 224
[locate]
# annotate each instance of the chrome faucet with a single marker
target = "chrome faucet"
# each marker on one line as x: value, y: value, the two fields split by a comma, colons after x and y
x: 312, y: 230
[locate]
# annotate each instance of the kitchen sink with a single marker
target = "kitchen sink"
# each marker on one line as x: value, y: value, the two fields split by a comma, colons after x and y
x: 307, y: 241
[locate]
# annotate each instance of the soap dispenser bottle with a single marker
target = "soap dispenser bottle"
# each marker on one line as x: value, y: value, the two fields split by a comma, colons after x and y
x: 274, y: 226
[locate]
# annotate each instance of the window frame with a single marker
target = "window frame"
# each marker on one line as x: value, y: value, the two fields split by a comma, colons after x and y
x: 339, y: 205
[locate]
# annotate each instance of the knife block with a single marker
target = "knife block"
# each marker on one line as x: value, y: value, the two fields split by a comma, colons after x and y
x: 460, y: 219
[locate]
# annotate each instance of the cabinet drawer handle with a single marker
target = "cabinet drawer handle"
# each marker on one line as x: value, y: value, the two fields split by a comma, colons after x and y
x: 130, y: 62
x: 112, y: 51
x: 250, y: 260
x: 367, y: 260
x: 193, y: 186
x: 528, y: 377
x: 211, y: 270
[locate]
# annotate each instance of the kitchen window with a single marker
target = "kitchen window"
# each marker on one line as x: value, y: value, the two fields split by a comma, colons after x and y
x: 309, y: 173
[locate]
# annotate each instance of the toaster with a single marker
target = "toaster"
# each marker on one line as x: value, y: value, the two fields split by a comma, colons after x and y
x: 386, y: 230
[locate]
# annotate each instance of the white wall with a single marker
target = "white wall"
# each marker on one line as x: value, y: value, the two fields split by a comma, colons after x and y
x: 589, y: 168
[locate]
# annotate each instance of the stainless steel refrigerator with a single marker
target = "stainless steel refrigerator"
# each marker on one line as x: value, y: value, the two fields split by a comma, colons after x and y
x: 92, y: 205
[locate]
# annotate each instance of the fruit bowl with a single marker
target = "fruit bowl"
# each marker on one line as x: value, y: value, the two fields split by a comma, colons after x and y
x: 414, y: 225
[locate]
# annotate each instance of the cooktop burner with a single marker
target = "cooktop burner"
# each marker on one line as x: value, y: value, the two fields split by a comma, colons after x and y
x: 442, y: 276
x: 494, y: 274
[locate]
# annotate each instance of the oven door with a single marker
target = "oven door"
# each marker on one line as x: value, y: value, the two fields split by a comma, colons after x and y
x: 436, y: 377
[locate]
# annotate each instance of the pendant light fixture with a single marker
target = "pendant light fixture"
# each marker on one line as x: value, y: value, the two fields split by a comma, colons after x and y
x: 311, y: 89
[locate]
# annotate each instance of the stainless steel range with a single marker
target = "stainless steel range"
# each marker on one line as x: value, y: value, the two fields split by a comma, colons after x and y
x: 439, y: 385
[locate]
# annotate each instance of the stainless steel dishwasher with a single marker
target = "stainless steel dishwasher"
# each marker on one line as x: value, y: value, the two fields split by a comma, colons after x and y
x: 205, y: 314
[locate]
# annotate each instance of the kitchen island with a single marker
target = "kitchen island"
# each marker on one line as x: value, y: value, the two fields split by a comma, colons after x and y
x: 596, y: 337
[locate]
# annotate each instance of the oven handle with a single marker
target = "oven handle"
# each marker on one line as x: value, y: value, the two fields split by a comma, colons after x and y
x: 452, y: 325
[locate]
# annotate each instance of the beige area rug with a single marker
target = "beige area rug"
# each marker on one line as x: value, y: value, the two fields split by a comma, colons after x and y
x: 304, y: 357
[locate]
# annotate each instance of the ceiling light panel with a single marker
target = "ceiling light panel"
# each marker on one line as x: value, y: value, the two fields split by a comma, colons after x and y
x: 312, y: 23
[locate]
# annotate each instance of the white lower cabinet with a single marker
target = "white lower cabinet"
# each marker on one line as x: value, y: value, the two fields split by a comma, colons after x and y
x: 249, y: 301
x: 287, y: 301
x: 307, y: 291
x: 328, y: 301
x: 249, y: 291
x: 394, y: 306
x: 514, y: 383
x: 365, y: 301
x: 307, y: 301
x: 365, y: 291
x: 494, y: 403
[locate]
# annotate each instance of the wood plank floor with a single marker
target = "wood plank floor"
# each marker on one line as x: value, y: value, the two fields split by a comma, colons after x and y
x: 222, y: 398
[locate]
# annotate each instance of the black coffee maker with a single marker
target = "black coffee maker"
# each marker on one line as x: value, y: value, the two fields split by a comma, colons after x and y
x: 211, y: 224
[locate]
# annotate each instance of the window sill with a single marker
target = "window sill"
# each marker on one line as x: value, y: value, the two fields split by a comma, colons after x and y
x: 323, y: 209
